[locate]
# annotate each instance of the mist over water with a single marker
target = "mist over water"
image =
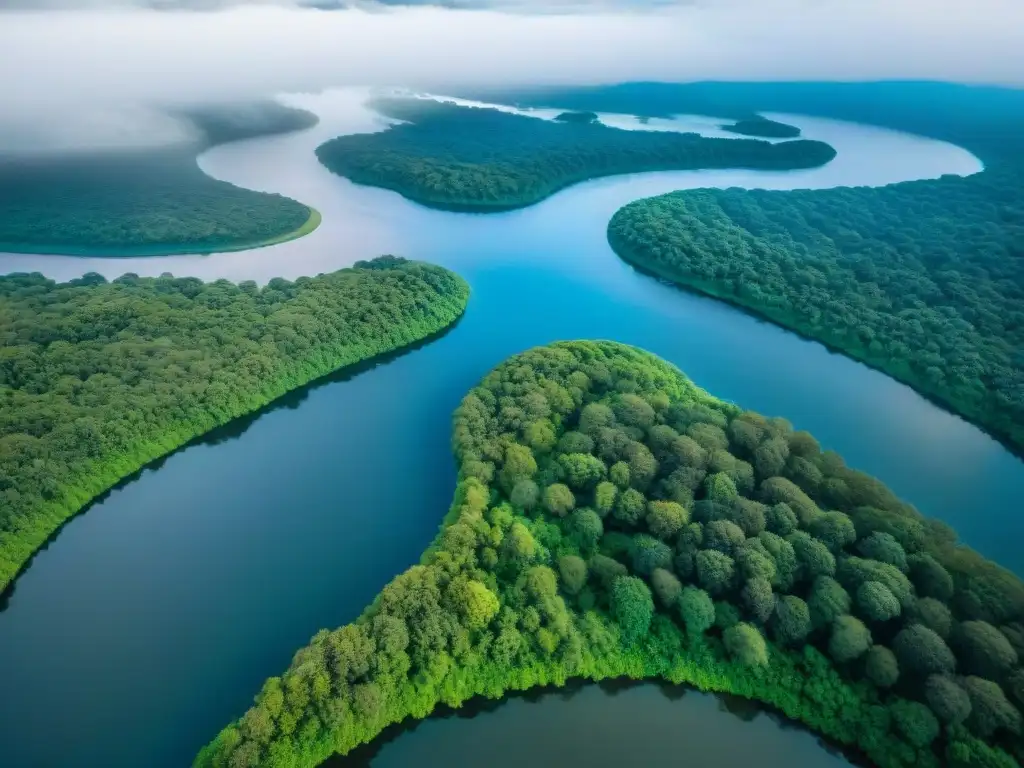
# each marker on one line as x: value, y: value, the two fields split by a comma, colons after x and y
x: 70, y: 67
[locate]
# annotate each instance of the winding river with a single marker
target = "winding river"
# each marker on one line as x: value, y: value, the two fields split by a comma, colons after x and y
x: 151, y: 620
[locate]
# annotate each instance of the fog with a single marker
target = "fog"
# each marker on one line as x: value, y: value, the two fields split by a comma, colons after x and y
x: 86, y: 70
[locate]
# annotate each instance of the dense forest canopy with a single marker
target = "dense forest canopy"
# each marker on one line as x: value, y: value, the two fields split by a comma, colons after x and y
x: 464, y: 158
x: 149, y: 202
x: 98, y: 378
x: 613, y: 520
x: 924, y: 279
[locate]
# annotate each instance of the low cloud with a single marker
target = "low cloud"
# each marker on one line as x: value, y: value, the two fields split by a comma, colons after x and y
x: 109, y: 56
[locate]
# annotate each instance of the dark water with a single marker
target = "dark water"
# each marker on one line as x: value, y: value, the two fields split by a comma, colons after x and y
x: 608, y: 725
x: 151, y: 620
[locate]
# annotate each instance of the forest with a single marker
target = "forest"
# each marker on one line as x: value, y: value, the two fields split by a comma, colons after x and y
x: 99, y: 378
x: 149, y: 202
x: 475, y: 159
x: 763, y: 127
x: 612, y: 520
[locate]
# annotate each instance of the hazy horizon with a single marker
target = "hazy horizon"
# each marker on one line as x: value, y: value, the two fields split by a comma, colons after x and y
x: 107, y: 63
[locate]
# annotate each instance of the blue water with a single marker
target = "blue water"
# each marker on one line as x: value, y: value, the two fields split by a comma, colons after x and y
x: 152, y: 619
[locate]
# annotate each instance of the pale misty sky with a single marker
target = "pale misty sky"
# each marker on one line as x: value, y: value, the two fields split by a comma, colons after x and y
x: 118, y: 56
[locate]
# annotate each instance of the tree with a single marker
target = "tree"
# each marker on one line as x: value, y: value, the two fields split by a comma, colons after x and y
x: 665, y: 518
x: 983, y: 650
x: 525, y: 494
x: 759, y: 599
x: 479, y: 605
x: 582, y: 471
x: 914, y: 721
x: 715, y: 571
x: 720, y: 488
x: 573, y: 571
x: 834, y: 529
x: 948, y: 700
x: 876, y: 602
x: 519, y: 464
x: 881, y: 667
x: 587, y: 527
x: 990, y: 709
x: 723, y: 535
x: 923, y: 652
x: 930, y: 578
x: 604, y: 498
x: 934, y: 615
x: 828, y: 601
x: 792, y: 620
x: 746, y: 645
x: 696, y: 610
x: 814, y: 557
x: 648, y: 553
x: 850, y: 639
x: 619, y: 474
x: 575, y: 442
x: 885, y: 548
x: 606, y: 569
x: 558, y: 499
x: 666, y: 587
x: 780, y: 519
x: 632, y: 607
x: 630, y: 507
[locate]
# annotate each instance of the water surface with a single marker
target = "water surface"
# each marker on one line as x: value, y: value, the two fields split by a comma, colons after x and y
x: 152, y: 619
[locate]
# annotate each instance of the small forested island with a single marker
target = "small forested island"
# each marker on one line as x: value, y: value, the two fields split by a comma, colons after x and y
x: 474, y: 159
x: 99, y: 378
x: 613, y: 520
x: 577, y: 117
x: 149, y: 202
x: 763, y: 128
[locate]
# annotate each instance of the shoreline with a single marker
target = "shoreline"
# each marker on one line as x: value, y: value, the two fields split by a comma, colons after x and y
x: 311, y: 224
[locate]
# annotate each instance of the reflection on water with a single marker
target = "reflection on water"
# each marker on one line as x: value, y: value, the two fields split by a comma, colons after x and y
x: 155, y: 617
x: 608, y: 725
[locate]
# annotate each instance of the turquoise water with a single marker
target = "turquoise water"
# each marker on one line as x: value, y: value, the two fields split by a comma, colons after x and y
x: 151, y: 620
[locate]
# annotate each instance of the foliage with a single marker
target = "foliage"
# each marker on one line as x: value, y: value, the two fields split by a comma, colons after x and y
x: 98, y: 378
x: 923, y: 280
x: 559, y: 617
x: 463, y: 158
x: 149, y: 202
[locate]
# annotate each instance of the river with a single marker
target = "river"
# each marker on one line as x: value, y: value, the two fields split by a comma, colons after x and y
x: 150, y: 621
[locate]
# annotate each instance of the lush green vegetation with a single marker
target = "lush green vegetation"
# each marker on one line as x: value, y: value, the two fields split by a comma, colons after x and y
x: 923, y: 280
x: 762, y: 126
x: 149, y: 202
x: 611, y: 519
x: 98, y: 378
x: 463, y: 158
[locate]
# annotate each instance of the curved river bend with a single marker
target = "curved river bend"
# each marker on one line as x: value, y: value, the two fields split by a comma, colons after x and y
x: 151, y: 621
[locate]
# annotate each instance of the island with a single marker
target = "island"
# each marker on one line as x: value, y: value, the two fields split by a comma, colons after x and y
x: 613, y: 520
x: 99, y: 378
x: 577, y: 117
x: 458, y: 158
x: 150, y: 202
x: 762, y: 127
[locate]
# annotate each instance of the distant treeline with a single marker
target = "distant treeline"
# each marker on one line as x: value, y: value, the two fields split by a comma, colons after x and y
x: 149, y: 202
x: 462, y: 158
x: 613, y: 520
x: 98, y: 378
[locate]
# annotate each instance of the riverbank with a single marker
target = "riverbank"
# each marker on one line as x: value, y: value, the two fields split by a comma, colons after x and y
x: 126, y: 252
x: 120, y: 420
x: 540, y: 574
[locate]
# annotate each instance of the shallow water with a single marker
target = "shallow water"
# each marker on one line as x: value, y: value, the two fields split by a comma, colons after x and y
x: 151, y: 620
